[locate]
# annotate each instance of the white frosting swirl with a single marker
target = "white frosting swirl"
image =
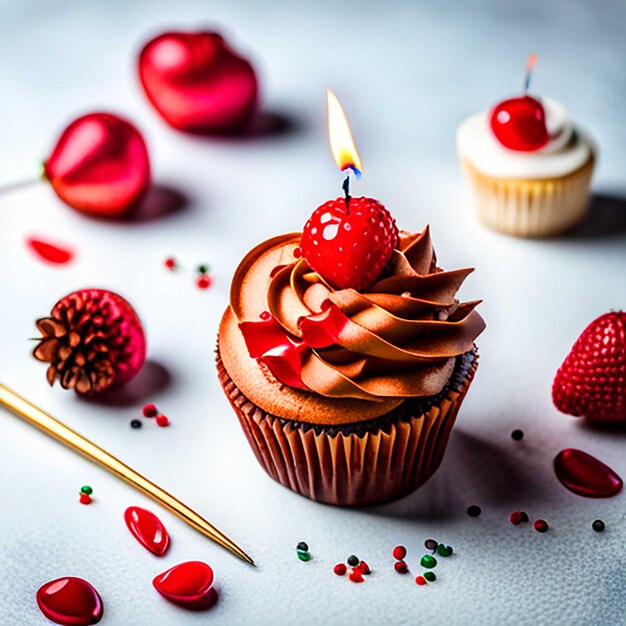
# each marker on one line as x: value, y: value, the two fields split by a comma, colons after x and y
x: 568, y: 148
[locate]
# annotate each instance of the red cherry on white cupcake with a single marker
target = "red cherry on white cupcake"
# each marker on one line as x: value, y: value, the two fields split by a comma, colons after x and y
x: 520, y: 124
x: 198, y: 83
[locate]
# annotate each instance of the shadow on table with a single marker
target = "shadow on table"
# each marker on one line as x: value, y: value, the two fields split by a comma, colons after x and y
x: 153, y: 378
x: 611, y: 429
x: 474, y: 471
x: 606, y: 218
x: 161, y: 201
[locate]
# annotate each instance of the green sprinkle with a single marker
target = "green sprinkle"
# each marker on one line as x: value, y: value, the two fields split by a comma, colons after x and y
x: 86, y: 489
x: 353, y: 560
x: 303, y: 556
x: 430, y: 576
x: 428, y: 561
x: 444, y: 550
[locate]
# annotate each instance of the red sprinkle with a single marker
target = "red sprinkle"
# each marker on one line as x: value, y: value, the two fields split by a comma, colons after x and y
x: 541, y: 526
x: 420, y: 580
x: 340, y: 569
x: 162, y: 420
x: 85, y: 499
x: 364, y: 568
x: 399, y: 552
x: 203, y: 282
x: 356, y: 576
x: 49, y: 252
x: 517, y: 517
x: 401, y: 567
x: 150, y: 410
x: 170, y: 263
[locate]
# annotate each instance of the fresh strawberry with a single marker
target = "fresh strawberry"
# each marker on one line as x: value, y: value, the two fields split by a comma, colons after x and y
x: 591, y: 382
x: 350, y: 244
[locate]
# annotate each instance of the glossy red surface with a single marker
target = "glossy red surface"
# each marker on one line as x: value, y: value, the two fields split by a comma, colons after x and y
x: 148, y: 529
x: 323, y: 330
x: 49, y: 252
x: 585, y: 475
x: 188, y: 585
x: 100, y: 165
x: 198, y: 83
x: 520, y: 124
x: 70, y: 600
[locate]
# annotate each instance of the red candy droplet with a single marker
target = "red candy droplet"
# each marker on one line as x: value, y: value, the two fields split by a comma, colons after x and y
x: 170, y: 263
x: 340, y: 569
x: 148, y: 529
x: 356, y: 576
x: 99, y: 165
x: 198, y: 83
x: 401, y: 567
x: 399, y: 552
x: 520, y: 124
x: 188, y: 585
x: 150, y: 410
x: 50, y: 253
x: 585, y: 475
x: 162, y: 421
x: 541, y: 526
x: 203, y: 282
x: 85, y: 498
x: 70, y: 600
x: 420, y: 580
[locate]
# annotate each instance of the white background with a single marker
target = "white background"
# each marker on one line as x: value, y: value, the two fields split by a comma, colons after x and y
x: 407, y: 74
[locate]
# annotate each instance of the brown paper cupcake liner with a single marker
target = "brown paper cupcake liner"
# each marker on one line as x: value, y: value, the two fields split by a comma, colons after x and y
x: 531, y: 207
x: 361, y: 464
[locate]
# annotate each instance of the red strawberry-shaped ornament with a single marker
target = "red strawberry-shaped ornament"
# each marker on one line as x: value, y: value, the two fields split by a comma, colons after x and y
x: 520, y: 124
x: 349, y: 241
x: 591, y: 382
x: 198, y: 83
x: 93, y: 340
x: 100, y: 165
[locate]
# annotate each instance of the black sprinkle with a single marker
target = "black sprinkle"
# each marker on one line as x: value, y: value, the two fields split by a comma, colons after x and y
x: 430, y: 544
x: 517, y: 435
x: 598, y: 525
x: 473, y: 510
x: 135, y: 424
x: 353, y: 560
x: 302, y: 546
x: 523, y: 516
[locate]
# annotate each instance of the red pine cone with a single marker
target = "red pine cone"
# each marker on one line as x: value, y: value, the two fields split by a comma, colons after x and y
x: 93, y: 340
x: 591, y: 382
x: 349, y: 245
x: 100, y: 165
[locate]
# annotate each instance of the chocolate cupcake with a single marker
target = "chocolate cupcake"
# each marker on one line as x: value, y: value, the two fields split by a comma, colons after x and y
x: 347, y: 395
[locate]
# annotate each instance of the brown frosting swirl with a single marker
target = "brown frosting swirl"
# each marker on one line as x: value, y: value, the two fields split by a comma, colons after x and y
x: 397, y: 339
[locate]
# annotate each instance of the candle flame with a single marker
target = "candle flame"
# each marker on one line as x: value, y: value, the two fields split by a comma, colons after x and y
x: 531, y: 62
x: 341, y: 142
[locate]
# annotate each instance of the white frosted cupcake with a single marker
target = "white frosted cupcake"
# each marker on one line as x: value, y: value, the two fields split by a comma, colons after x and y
x: 528, y: 165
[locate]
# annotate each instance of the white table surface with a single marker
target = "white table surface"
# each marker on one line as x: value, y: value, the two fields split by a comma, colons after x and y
x: 407, y: 74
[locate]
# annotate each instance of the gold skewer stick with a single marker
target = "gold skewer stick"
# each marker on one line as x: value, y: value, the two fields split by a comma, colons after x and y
x: 71, y: 438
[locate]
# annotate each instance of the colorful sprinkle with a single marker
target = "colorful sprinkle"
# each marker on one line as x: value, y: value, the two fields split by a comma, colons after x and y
x: 302, y: 546
x: 431, y: 544
x: 135, y: 424
x: 541, y: 526
x: 420, y: 580
x: 399, y: 552
x: 473, y: 510
x: 85, y: 499
x: 598, y: 525
x: 356, y: 576
x: 428, y: 561
x: 170, y: 263
x: 364, y: 568
x: 444, y: 550
x: 353, y: 560
x: 303, y: 555
x: 340, y: 569
x: 86, y: 489
x: 203, y: 269
x: 431, y: 577
x: 150, y: 410
x: 517, y: 435
x: 401, y: 567
x: 203, y: 282
x: 162, y: 421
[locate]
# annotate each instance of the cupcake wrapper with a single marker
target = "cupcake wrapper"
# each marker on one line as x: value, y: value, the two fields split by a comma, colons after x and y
x: 531, y: 207
x: 344, y: 467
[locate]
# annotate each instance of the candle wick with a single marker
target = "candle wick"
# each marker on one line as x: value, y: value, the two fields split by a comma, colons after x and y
x: 346, y: 189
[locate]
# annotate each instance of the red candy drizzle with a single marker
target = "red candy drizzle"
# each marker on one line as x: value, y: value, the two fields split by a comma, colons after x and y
x: 189, y: 585
x: 70, y: 600
x: 148, y: 529
x: 49, y: 252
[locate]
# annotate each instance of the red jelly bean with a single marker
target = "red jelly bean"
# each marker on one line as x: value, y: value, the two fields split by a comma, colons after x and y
x: 70, y: 600
x: 150, y: 410
x: 162, y: 420
x: 541, y: 526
